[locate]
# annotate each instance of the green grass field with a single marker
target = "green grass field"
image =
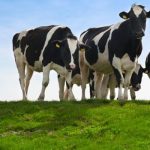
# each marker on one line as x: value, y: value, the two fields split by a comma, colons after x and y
x: 86, y: 125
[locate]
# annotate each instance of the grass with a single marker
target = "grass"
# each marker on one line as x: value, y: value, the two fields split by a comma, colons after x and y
x: 86, y: 125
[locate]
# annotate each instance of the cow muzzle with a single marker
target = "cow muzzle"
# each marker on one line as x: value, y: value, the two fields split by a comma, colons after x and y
x: 71, y: 66
x: 137, y: 87
x: 140, y: 34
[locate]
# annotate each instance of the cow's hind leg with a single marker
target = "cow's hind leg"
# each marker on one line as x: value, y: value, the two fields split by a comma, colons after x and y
x: 29, y: 73
x: 21, y: 70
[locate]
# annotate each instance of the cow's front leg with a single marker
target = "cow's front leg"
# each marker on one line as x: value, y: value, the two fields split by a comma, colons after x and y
x: 69, y: 87
x: 128, y: 75
x: 120, y: 81
x: 112, y: 86
x: 45, y: 82
x: 61, y: 82
x: 29, y: 73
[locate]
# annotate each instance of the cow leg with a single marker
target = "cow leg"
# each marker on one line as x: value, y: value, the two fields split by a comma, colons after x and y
x: 112, y: 86
x: 132, y: 94
x: 61, y: 82
x: 92, y: 83
x: 84, y: 80
x: 69, y: 86
x: 128, y: 75
x: 66, y: 93
x: 98, y: 83
x: 104, y: 86
x: 112, y: 93
x: 120, y: 81
x: 21, y: 70
x: 29, y: 73
x: 92, y: 88
x: 45, y: 82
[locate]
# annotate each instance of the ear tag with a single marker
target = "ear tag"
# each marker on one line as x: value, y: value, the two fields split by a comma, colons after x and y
x: 82, y: 49
x: 125, y: 17
x: 57, y: 45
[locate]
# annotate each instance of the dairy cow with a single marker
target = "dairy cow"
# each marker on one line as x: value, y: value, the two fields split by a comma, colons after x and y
x: 109, y: 83
x: 75, y: 79
x: 114, y: 49
x: 147, y: 65
x: 43, y: 49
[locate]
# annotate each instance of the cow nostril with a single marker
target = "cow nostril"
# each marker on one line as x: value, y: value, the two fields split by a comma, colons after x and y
x: 140, y: 34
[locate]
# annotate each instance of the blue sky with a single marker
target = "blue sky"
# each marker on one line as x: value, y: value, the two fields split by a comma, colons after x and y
x: 18, y: 15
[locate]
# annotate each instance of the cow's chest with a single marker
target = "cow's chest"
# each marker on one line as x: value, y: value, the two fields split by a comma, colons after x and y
x: 125, y: 63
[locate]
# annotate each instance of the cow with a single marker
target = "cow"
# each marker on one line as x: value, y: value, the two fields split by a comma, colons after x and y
x: 147, y: 65
x: 43, y: 49
x: 113, y: 49
x: 109, y: 83
x: 75, y: 79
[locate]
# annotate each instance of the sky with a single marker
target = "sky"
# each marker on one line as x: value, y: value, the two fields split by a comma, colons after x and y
x: 79, y: 15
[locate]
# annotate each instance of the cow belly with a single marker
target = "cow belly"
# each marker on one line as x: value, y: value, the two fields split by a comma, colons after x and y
x: 102, y: 64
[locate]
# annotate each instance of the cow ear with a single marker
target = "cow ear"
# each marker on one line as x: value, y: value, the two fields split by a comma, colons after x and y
x: 124, y: 15
x: 57, y: 43
x: 83, y: 47
x: 148, y: 14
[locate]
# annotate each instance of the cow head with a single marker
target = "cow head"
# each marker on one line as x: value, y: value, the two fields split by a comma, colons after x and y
x: 68, y: 47
x: 137, y: 17
x: 147, y: 64
x: 137, y: 77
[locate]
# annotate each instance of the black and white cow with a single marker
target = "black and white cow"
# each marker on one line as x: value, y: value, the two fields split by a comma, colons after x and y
x: 109, y: 83
x: 115, y: 49
x: 75, y: 80
x: 147, y: 65
x: 43, y: 49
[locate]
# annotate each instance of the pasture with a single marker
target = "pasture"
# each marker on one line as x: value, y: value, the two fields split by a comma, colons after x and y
x: 91, y: 124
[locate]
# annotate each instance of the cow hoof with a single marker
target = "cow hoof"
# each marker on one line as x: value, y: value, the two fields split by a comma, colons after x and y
x: 64, y: 100
x: 41, y: 98
x: 112, y: 97
x: 133, y: 98
x: 71, y: 99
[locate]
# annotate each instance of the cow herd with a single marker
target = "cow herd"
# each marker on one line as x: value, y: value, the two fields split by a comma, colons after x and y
x: 105, y: 57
